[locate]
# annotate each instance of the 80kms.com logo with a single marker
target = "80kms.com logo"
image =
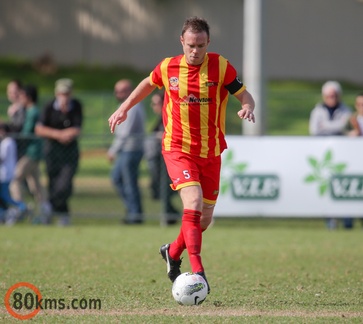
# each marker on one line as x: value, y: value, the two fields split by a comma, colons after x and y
x: 24, y: 301
x: 15, y: 302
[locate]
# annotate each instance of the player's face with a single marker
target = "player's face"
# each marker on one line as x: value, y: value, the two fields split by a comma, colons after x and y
x: 194, y: 46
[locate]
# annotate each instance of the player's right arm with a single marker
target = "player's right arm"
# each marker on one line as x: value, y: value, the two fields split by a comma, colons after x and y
x: 140, y: 92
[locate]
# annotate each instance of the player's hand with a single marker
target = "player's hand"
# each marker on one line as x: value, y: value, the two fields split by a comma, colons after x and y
x: 116, y: 118
x: 246, y: 113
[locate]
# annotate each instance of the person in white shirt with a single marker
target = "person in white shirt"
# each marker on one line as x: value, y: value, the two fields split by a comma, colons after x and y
x: 13, y: 210
x: 331, y: 118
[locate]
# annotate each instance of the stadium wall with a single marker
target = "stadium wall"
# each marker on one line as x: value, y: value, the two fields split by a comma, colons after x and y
x: 304, y: 39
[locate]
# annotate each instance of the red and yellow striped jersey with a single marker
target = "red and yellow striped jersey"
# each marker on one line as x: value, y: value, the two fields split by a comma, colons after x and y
x: 195, y: 103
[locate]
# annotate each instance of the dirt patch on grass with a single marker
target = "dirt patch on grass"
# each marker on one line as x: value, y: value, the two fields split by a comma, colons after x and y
x: 201, y: 311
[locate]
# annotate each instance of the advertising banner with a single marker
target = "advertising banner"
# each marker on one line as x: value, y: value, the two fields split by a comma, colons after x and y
x: 291, y: 177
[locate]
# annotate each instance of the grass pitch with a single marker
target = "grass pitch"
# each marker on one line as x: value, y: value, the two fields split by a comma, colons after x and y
x: 260, y: 271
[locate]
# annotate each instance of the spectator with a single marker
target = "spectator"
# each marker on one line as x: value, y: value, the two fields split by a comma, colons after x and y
x: 8, y: 158
x: 126, y: 153
x: 60, y: 124
x: 29, y: 153
x: 16, y: 112
x: 356, y: 120
x: 328, y: 118
x: 159, y: 185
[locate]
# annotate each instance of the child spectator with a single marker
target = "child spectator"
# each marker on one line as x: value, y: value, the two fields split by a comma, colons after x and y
x: 8, y: 158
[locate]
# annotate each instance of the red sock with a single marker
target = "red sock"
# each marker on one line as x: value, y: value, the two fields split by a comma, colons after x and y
x: 192, y: 233
x: 177, y: 247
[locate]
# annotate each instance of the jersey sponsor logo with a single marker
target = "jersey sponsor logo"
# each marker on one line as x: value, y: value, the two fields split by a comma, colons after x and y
x: 190, y: 99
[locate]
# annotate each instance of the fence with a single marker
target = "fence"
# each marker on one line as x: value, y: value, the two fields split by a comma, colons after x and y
x: 279, y: 188
x: 94, y: 196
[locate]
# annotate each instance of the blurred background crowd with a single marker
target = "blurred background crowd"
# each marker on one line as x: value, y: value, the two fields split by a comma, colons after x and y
x: 64, y: 67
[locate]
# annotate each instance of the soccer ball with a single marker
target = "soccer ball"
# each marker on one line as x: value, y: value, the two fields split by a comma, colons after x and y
x: 190, y: 289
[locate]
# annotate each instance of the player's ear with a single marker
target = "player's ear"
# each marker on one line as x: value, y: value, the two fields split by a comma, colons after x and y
x: 182, y: 40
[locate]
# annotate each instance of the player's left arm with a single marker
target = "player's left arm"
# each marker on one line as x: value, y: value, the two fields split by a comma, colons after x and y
x: 247, y: 105
x: 235, y: 87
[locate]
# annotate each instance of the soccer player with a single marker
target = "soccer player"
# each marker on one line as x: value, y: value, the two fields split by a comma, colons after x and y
x: 196, y: 86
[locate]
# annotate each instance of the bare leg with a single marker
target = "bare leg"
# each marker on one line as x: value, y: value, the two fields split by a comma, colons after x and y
x: 207, y: 216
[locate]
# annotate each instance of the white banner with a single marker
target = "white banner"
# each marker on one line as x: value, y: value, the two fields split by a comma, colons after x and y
x: 291, y: 177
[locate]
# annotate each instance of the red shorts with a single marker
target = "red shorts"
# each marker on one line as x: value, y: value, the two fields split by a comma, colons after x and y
x: 186, y: 170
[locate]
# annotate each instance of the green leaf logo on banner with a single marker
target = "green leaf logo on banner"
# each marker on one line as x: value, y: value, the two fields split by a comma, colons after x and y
x: 230, y: 168
x: 323, y: 170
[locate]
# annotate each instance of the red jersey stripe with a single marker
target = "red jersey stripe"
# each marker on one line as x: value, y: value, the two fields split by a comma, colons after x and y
x: 195, y: 103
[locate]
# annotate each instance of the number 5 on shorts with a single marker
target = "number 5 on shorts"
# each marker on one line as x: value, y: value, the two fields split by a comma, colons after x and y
x: 186, y: 174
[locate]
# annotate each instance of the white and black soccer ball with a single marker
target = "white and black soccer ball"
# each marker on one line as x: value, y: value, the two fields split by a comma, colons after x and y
x: 190, y: 289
